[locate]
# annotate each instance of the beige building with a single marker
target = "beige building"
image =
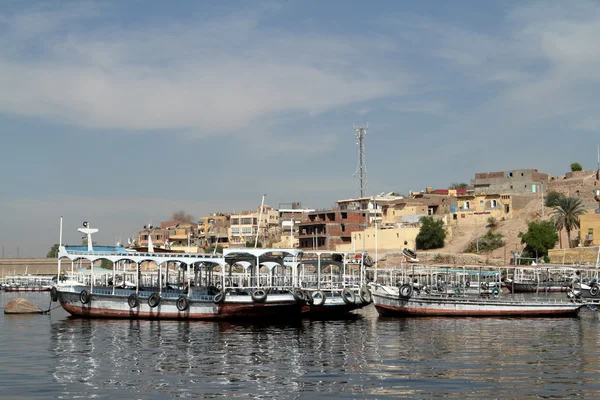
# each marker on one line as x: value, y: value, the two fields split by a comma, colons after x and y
x: 381, y: 241
x: 589, y: 230
x: 183, y: 237
x: 213, y: 229
x: 244, y: 227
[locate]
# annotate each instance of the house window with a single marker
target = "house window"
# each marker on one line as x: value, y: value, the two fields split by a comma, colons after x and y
x: 510, y: 174
x: 494, y: 203
x: 481, y: 203
x: 467, y: 205
x: 454, y: 217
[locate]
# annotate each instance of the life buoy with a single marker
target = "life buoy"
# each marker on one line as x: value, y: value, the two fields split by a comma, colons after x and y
x: 54, y: 293
x: 318, y: 297
x: 85, y: 297
x: 219, y: 297
x: 182, y: 303
x: 133, y: 300
x: 405, y: 291
x: 259, y: 295
x: 468, y: 283
x: 594, y: 290
x: 348, y: 296
x: 495, y: 292
x: 298, y: 295
x: 365, y: 295
x: 154, y: 300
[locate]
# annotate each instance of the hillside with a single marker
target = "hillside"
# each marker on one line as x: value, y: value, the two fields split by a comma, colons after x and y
x: 581, y: 185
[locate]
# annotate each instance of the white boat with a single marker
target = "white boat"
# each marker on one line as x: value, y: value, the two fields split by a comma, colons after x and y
x: 207, y: 286
x: 404, y: 301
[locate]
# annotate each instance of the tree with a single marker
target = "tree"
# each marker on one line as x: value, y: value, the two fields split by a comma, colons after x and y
x: 566, y: 215
x: 182, y: 216
x: 455, y: 186
x: 553, y: 197
x: 431, y: 235
x: 53, y: 252
x: 106, y: 264
x: 576, y: 167
x: 488, y: 242
x: 539, y: 238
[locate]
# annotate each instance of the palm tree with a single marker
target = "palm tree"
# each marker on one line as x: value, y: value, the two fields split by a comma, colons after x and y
x: 566, y: 215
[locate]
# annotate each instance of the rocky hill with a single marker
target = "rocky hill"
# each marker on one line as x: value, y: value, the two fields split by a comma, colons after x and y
x: 580, y: 184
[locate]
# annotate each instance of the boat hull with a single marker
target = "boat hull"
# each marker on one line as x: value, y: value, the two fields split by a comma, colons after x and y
x: 389, y: 305
x: 116, y: 306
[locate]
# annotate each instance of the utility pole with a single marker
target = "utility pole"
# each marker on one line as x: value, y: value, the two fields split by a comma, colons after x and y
x: 598, y: 170
x: 361, y: 169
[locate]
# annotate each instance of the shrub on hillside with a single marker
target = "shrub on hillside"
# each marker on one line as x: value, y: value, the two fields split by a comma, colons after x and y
x: 488, y: 242
x: 431, y: 235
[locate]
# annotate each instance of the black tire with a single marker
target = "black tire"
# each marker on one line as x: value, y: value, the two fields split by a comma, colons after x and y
x: 298, y: 295
x: 54, y: 293
x: 468, y: 283
x: 154, y: 300
x: 405, y: 291
x: 318, y: 298
x: 259, y: 296
x: 348, y: 296
x: 85, y: 297
x: 485, y: 285
x: 365, y: 295
x: 309, y: 299
x: 182, y: 303
x: 495, y: 292
x: 594, y: 290
x: 133, y: 300
x: 219, y: 298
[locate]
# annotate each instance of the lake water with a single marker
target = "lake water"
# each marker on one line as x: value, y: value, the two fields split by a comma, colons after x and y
x: 55, y: 356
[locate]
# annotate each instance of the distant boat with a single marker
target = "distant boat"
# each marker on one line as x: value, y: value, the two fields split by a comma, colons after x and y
x: 410, y: 255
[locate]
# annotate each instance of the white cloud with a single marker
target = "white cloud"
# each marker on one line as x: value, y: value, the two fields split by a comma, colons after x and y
x: 209, y: 77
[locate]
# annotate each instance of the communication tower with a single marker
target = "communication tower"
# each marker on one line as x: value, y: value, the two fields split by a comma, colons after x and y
x: 361, y: 168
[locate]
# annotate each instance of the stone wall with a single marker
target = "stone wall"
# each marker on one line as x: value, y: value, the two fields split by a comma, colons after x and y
x: 576, y: 255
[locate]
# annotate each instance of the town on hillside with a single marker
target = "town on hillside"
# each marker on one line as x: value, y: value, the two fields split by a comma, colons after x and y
x: 483, y: 222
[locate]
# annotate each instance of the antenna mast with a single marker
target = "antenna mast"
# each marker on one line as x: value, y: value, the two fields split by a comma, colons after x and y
x: 361, y: 168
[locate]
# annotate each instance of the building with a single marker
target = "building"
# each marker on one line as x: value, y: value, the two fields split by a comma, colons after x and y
x: 245, y: 226
x: 589, y: 229
x: 183, y: 236
x: 324, y: 230
x: 291, y: 215
x: 519, y: 181
x: 213, y: 230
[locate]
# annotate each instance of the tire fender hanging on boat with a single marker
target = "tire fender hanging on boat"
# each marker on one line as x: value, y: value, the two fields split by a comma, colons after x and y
x: 298, y: 295
x: 133, y: 300
x: 594, y: 290
x: 318, y: 297
x: 348, y: 296
x: 365, y: 294
x: 85, y: 297
x: 405, y: 291
x: 259, y: 295
x: 182, y: 303
x: 154, y: 300
x: 495, y: 292
x: 308, y: 298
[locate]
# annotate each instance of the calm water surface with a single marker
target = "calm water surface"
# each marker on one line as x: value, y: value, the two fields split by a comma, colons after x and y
x: 60, y: 357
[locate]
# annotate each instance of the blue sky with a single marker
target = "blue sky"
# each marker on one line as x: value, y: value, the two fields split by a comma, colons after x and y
x: 120, y: 113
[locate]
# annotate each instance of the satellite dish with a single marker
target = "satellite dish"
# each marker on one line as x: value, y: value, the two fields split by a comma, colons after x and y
x: 85, y: 224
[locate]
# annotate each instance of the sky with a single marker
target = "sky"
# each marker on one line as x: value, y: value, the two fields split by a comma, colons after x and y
x: 121, y: 113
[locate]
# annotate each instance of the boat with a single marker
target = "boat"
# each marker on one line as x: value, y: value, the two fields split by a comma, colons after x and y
x: 410, y: 255
x: 185, y: 287
x: 538, y: 279
x: 333, y: 283
x: 26, y: 283
x: 404, y: 301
